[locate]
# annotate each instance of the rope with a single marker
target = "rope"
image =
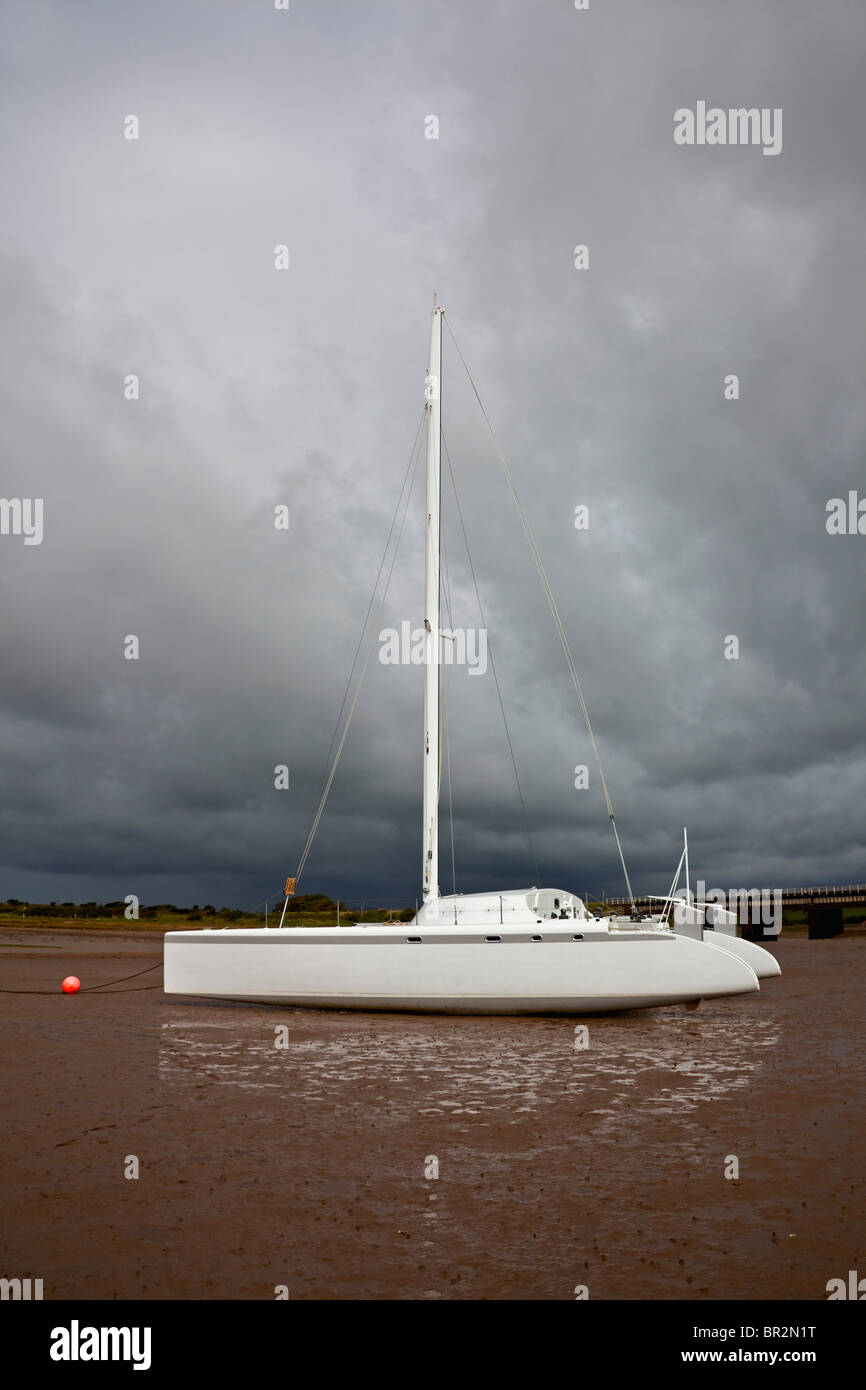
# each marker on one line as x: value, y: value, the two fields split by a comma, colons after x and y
x: 542, y: 572
x: 91, y: 989
x: 124, y: 978
x: 373, y: 595
x: 413, y: 465
x: 526, y: 825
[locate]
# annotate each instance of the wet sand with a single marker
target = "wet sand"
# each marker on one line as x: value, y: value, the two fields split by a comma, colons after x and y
x: 305, y: 1167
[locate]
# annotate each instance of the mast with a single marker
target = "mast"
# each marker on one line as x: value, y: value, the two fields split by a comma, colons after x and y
x: 430, y: 864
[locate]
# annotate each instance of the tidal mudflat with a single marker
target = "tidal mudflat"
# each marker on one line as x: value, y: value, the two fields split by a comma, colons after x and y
x: 312, y: 1164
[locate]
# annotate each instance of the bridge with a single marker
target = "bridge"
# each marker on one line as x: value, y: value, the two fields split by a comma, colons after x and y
x: 848, y: 894
x: 823, y: 907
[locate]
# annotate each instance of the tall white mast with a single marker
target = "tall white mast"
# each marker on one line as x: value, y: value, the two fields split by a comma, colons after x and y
x: 430, y: 865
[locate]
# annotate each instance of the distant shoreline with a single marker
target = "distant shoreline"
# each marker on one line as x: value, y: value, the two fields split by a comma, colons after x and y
x: 112, y: 927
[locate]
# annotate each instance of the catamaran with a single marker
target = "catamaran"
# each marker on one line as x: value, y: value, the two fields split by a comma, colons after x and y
x: 515, y: 951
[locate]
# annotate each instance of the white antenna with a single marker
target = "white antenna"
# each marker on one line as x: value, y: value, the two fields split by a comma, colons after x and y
x: 686, y: 853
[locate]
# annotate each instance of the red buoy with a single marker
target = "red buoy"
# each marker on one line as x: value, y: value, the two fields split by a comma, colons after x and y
x: 71, y: 985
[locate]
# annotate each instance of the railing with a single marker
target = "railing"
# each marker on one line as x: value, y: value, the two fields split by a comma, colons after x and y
x: 851, y: 893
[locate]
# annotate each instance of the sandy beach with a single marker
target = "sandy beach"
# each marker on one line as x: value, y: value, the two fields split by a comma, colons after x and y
x: 307, y: 1165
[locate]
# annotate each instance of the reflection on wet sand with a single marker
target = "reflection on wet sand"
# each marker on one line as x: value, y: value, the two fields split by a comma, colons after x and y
x: 491, y: 1071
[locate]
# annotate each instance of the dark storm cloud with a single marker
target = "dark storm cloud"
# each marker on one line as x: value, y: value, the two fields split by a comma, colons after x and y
x: 305, y: 387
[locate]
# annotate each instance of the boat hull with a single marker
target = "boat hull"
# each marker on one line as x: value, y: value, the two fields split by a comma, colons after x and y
x: 762, y: 962
x: 691, y: 921
x: 454, y: 971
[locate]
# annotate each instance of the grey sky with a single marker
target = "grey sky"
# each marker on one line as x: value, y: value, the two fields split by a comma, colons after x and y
x: 305, y: 387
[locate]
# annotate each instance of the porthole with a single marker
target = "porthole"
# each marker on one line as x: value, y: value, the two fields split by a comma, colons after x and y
x: 535, y: 938
x: 493, y: 938
x: 577, y: 938
x: 413, y: 938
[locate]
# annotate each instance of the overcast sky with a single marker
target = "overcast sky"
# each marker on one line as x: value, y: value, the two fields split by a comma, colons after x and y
x: 305, y: 387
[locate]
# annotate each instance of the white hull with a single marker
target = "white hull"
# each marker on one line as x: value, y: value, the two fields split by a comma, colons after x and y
x: 453, y: 969
x: 690, y: 920
x: 762, y: 962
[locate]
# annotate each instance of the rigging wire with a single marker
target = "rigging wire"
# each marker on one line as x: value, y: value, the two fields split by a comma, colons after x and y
x: 526, y: 824
x: 674, y: 886
x: 373, y: 594
x: 413, y: 467
x: 542, y: 572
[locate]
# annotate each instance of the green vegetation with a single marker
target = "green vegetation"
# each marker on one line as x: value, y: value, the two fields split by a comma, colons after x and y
x: 314, y: 909
x: 309, y: 909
